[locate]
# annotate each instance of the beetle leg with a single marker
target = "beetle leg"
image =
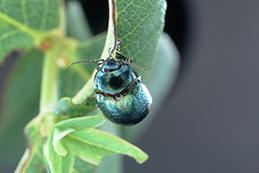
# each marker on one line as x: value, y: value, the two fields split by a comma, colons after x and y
x: 123, y: 57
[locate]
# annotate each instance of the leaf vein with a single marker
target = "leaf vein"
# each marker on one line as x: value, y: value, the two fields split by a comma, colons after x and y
x: 18, y: 25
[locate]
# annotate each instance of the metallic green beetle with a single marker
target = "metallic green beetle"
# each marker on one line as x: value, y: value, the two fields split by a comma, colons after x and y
x: 121, y: 95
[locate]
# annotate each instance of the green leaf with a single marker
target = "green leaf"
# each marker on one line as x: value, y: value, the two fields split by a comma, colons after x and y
x: 96, y: 144
x: 82, y: 166
x: 139, y: 25
x: 58, y: 135
x: 29, y: 66
x: 66, y: 107
x: 22, y: 86
x: 57, y: 163
x: 76, y: 123
x: 114, y: 159
x: 32, y: 160
x: 63, y: 128
x: 24, y: 23
x: 37, y: 15
x: 55, y: 153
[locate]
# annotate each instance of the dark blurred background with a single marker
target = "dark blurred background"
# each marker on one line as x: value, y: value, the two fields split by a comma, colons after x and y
x: 210, y: 120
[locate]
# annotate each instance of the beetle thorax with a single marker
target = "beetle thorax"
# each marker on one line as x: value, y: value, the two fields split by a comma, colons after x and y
x: 114, y: 77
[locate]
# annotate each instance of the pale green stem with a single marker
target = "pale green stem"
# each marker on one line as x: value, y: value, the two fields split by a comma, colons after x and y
x: 49, y: 79
x: 110, y: 40
x: 48, y: 95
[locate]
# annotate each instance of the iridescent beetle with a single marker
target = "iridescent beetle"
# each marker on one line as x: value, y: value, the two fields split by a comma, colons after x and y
x: 121, y: 96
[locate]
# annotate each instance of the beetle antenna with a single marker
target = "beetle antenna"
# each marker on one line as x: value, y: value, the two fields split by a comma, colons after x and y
x: 84, y: 61
x: 127, y: 61
x: 141, y: 68
x: 133, y: 65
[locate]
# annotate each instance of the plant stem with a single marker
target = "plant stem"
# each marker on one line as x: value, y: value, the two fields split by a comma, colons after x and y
x: 111, y: 40
x: 49, y: 78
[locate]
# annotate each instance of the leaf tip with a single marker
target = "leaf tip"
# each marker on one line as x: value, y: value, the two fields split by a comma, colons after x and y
x: 142, y: 158
x: 57, y: 145
x: 60, y: 150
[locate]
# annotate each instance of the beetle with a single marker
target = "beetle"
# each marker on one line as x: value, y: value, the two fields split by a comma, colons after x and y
x: 120, y: 93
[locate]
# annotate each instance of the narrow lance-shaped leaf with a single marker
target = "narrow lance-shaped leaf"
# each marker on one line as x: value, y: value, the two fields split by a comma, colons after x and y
x: 78, y: 137
x: 96, y: 144
x: 58, y: 134
x: 63, y: 128
x: 77, y: 123
x: 56, y: 155
x: 55, y: 162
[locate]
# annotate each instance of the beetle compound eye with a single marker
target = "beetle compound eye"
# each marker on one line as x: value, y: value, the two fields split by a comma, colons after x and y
x: 116, y: 82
